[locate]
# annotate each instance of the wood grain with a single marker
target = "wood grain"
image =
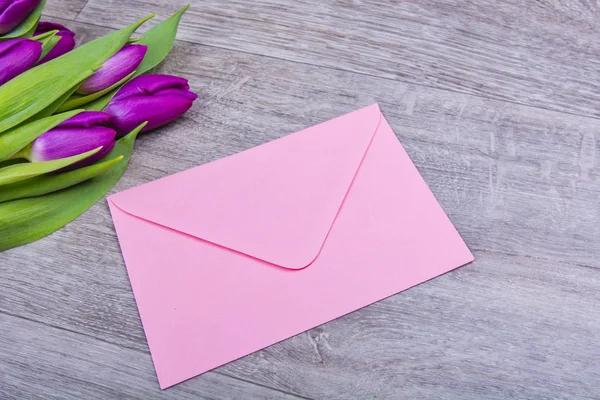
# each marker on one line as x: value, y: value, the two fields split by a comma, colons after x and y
x: 42, y: 362
x: 66, y: 9
x: 540, y: 53
x: 514, y: 179
x: 519, y: 182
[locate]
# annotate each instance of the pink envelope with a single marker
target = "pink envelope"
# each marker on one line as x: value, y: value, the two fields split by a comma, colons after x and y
x: 238, y: 254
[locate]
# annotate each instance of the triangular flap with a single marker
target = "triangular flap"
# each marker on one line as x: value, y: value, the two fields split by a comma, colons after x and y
x: 275, y: 202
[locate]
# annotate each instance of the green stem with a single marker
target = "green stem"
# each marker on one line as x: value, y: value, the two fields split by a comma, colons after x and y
x: 23, y: 153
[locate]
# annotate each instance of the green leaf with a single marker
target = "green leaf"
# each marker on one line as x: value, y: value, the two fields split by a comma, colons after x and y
x: 6, y: 163
x: 159, y: 40
x: 52, y: 108
x: 32, y: 29
x: 101, y: 102
x: 42, y: 36
x: 19, y: 172
x: 44, y: 184
x: 27, y: 27
x: 48, y: 42
x: 76, y: 100
x: 26, y: 220
x: 17, y: 138
x: 37, y: 88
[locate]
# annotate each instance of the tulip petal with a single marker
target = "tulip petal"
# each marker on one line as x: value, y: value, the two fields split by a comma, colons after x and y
x: 148, y: 84
x: 86, y: 119
x: 60, y: 143
x: 91, y: 159
x: 9, y: 45
x: 45, y: 26
x: 157, y: 110
x: 27, y: 220
x: 159, y: 40
x: 114, y: 69
x: 83, y: 101
x: 73, y: 136
x: 64, y: 45
x: 48, y: 40
x: 32, y: 92
x: 175, y: 91
x: 17, y: 56
x: 67, y: 42
x: 12, y: 13
x: 13, y: 141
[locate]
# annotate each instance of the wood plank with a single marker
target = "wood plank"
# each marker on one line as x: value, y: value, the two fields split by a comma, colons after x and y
x: 504, y: 327
x: 543, y: 54
x: 65, y: 9
x: 514, y: 179
x: 42, y: 362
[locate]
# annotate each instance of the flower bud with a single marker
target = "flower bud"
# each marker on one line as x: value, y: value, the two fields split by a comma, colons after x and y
x: 114, y: 69
x: 13, y: 12
x: 17, y: 56
x: 79, y: 134
x: 64, y: 45
x: 158, y: 99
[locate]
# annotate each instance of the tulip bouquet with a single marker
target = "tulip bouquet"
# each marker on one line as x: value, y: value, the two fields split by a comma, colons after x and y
x: 69, y: 116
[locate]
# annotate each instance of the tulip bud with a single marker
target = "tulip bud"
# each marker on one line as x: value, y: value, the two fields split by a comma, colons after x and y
x: 79, y: 134
x: 13, y: 12
x: 114, y: 69
x: 158, y: 99
x: 64, y: 45
x: 17, y: 56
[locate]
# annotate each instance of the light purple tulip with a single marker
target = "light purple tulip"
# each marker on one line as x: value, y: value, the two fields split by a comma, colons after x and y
x: 64, y: 45
x: 158, y: 99
x: 79, y: 134
x: 114, y: 69
x: 13, y: 12
x: 17, y: 56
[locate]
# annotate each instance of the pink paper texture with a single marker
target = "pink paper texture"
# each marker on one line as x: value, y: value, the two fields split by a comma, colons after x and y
x: 238, y: 254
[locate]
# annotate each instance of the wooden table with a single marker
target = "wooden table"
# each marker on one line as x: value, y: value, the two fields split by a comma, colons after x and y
x: 496, y: 102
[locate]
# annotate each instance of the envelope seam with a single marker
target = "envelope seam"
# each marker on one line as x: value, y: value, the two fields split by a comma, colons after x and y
x: 192, y: 236
x: 380, y: 117
x: 347, y: 191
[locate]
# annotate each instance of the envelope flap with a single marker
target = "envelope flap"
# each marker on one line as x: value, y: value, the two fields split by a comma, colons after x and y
x: 275, y: 202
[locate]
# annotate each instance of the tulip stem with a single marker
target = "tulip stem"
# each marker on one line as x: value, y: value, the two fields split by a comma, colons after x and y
x: 23, y: 153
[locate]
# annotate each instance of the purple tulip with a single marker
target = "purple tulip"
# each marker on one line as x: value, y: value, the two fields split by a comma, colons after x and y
x: 158, y: 99
x: 114, y: 69
x: 13, y: 12
x: 79, y: 134
x: 64, y: 45
x: 17, y: 56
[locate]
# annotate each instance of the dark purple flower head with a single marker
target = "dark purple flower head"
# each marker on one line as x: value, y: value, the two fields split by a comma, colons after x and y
x: 86, y: 119
x: 64, y: 45
x: 158, y: 99
x: 13, y: 12
x: 114, y: 69
x: 79, y: 134
x: 17, y: 56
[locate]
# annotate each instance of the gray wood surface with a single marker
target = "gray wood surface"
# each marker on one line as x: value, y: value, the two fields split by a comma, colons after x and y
x: 541, y: 53
x: 63, y: 9
x: 496, y: 105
